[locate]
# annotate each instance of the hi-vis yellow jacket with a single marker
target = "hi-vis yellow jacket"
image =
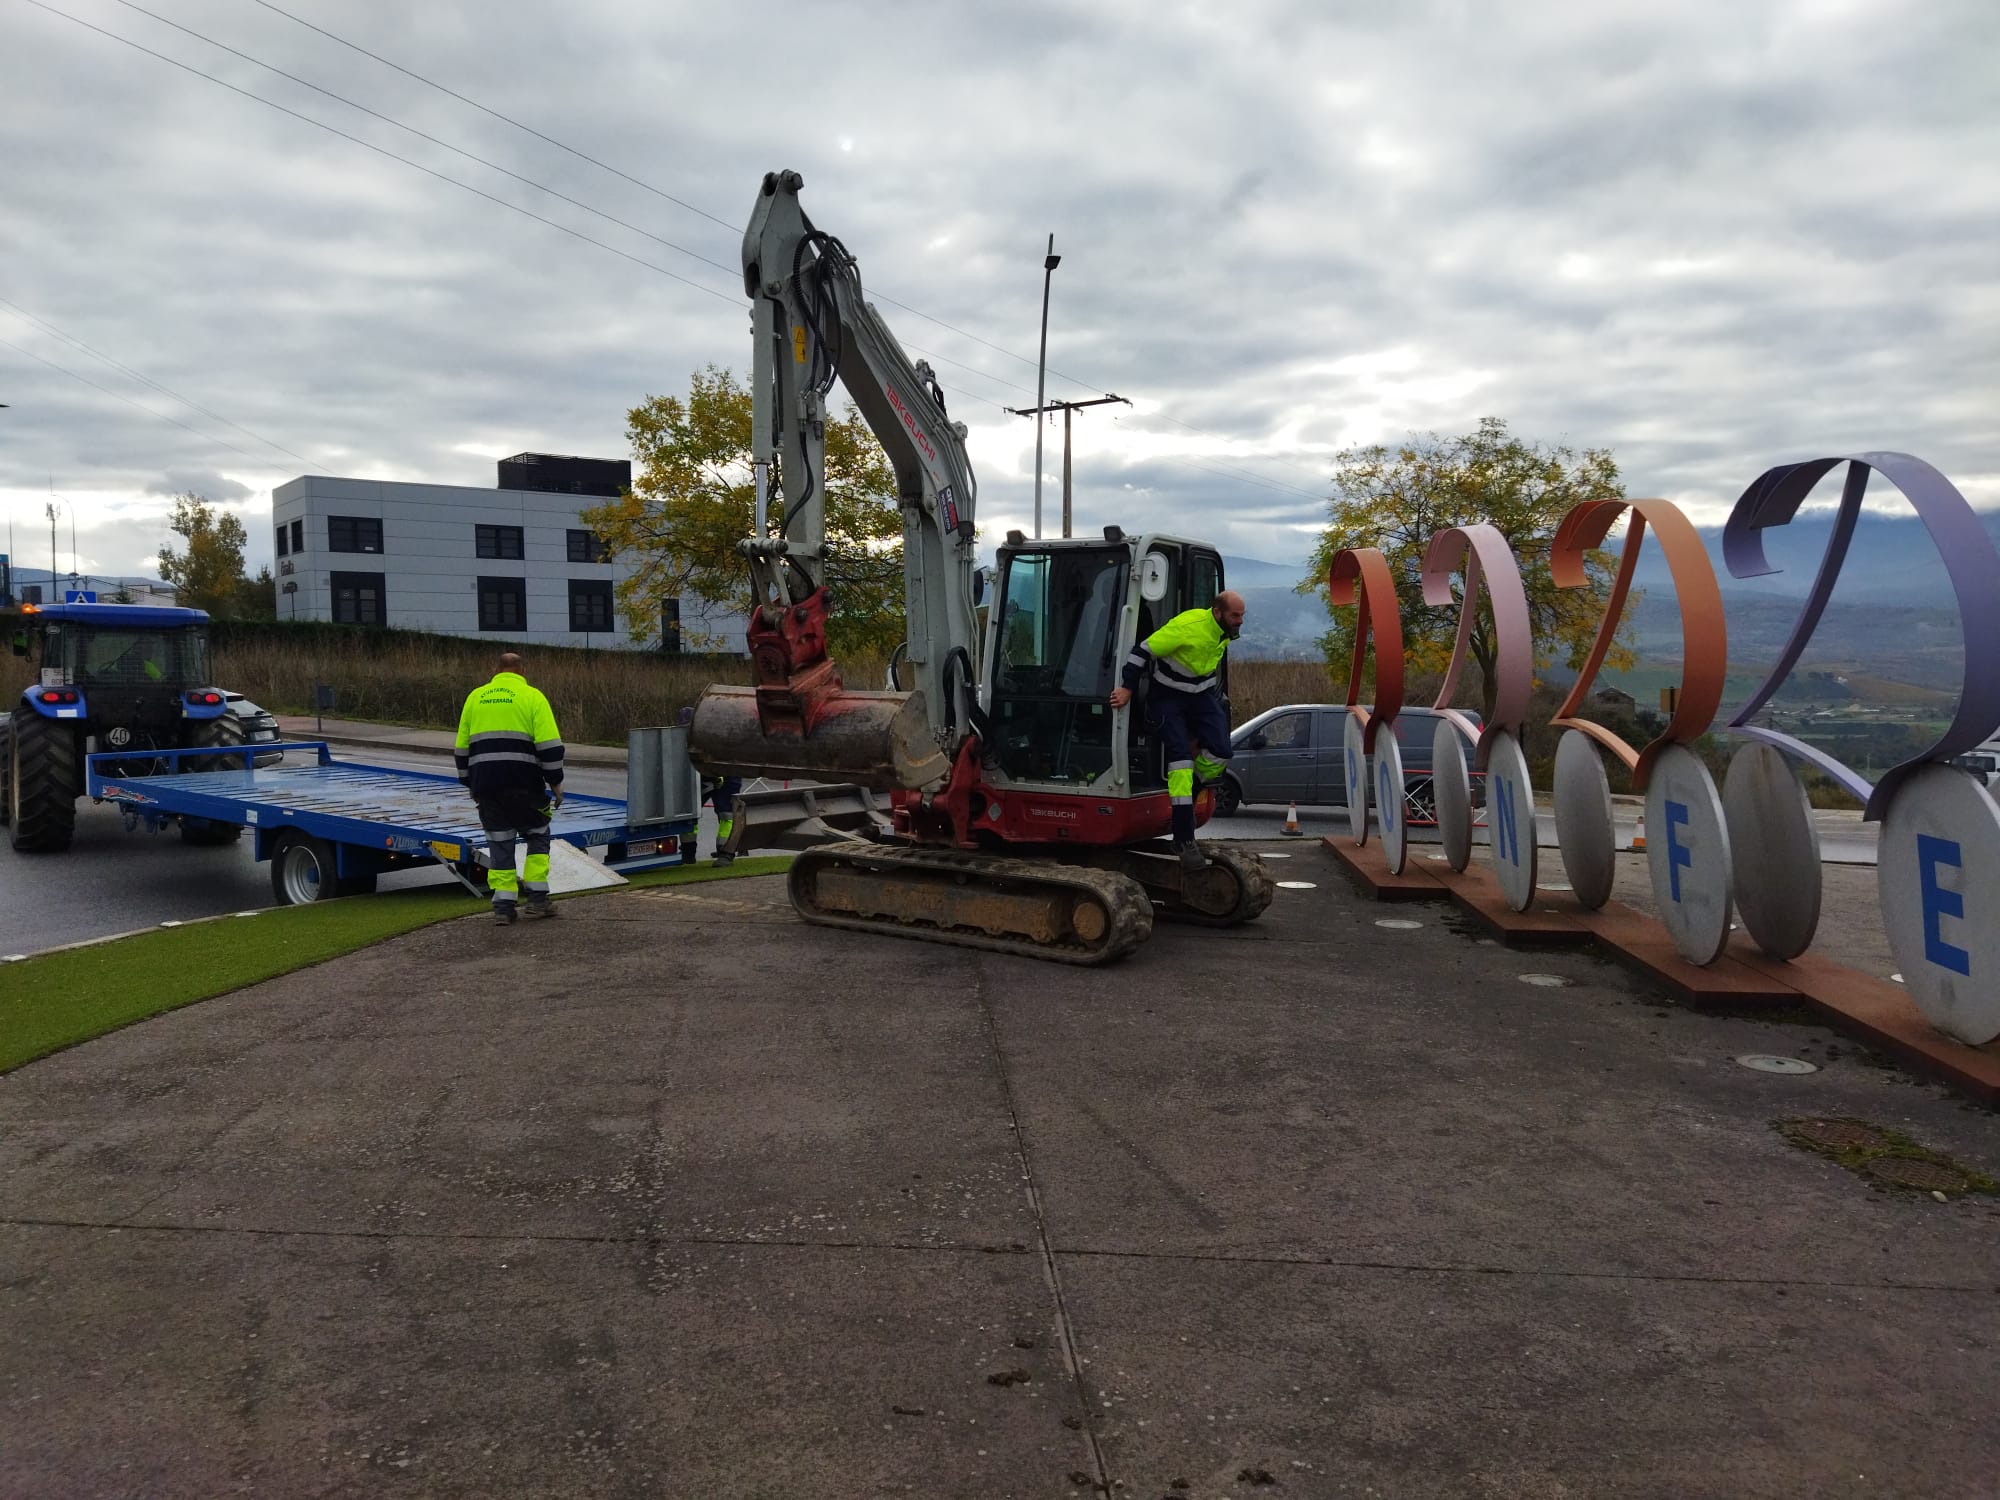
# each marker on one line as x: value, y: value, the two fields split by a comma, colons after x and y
x: 507, y: 739
x: 1185, y: 653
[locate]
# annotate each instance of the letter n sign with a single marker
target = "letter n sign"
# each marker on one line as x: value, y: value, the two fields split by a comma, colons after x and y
x: 1505, y: 834
x: 1939, y: 902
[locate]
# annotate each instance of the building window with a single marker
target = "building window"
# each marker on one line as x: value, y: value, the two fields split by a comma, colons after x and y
x: 589, y: 604
x: 357, y: 599
x: 587, y: 547
x: 498, y: 541
x: 284, y: 534
x: 353, y: 534
x: 299, y: 536
x: 503, y: 604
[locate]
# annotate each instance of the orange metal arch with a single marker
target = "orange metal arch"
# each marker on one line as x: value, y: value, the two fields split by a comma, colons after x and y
x: 1704, y: 636
x: 1363, y: 572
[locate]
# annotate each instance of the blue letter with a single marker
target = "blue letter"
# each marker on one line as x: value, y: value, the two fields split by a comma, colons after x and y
x: 1939, y: 902
x: 1388, y: 799
x: 1505, y: 834
x: 1678, y: 854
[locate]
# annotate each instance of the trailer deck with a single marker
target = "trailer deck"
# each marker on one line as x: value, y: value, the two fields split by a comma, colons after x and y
x: 371, y: 819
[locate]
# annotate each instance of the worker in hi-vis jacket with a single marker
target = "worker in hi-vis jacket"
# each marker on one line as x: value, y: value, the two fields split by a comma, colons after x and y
x: 510, y: 754
x: 1185, y: 659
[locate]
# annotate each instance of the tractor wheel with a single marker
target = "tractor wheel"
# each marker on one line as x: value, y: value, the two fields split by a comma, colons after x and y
x: 6, y: 770
x: 43, y: 782
x: 204, y: 832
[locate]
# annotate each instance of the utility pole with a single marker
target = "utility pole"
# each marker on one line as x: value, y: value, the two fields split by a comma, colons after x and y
x: 1065, y: 407
x: 51, y: 509
x: 1049, y: 264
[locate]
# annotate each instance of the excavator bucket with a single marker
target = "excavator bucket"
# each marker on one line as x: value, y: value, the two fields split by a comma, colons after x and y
x: 803, y: 816
x: 872, y: 739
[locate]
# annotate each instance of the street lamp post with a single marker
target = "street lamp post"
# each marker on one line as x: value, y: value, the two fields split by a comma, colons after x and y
x: 1049, y: 264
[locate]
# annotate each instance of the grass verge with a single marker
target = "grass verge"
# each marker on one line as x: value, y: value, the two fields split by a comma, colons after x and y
x: 60, y: 999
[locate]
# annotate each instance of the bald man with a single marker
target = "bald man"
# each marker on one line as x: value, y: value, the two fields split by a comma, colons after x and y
x: 510, y: 756
x: 1185, y: 659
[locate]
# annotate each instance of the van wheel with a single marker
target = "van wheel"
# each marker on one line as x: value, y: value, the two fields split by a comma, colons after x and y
x: 1228, y: 797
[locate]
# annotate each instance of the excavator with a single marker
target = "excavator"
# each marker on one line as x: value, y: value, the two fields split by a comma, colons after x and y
x: 991, y: 797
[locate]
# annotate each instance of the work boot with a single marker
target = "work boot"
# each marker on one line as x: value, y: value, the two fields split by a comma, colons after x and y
x: 1191, y: 857
x: 724, y: 857
x: 542, y: 908
x: 503, y: 914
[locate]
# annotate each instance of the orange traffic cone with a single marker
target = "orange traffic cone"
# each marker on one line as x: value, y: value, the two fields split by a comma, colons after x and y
x: 1291, y: 828
x: 1639, y: 834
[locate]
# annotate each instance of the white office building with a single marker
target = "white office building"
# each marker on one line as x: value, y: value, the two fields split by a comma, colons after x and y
x: 512, y: 563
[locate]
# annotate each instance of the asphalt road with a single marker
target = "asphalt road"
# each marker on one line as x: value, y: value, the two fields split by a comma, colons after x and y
x: 111, y: 881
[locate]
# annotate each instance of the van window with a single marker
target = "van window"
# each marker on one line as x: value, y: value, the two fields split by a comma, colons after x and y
x: 1288, y: 732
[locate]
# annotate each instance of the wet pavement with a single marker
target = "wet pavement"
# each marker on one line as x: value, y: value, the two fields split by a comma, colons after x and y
x: 678, y: 1196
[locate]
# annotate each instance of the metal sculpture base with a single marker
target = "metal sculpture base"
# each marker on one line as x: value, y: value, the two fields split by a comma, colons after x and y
x: 1941, y: 828
x: 1510, y: 806
x: 1774, y: 850
x: 1687, y: 853
x: 1356, y: 762
x: 1585, y: 836
x: 1452, y: 789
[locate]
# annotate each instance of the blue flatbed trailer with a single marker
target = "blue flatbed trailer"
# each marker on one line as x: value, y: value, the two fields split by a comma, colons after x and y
x: 331, y: 827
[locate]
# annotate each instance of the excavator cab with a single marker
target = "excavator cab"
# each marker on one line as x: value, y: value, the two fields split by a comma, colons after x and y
x: 1065, y: 616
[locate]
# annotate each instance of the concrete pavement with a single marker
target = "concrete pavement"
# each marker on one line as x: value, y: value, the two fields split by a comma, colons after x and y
x: 677, y: 1196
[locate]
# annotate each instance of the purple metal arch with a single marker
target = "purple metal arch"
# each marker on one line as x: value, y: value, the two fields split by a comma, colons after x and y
x: 1483, y: 549
x: 1970, y: 559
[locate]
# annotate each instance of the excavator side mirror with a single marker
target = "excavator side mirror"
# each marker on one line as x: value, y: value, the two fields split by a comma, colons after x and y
x: 1153, y: 578
x: 981, y: 579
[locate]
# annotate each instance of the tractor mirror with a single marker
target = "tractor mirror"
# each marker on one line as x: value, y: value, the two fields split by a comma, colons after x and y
x: 1153, y: 578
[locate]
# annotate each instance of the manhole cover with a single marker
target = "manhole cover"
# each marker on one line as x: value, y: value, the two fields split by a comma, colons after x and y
x: 1763, y: 1063
x: 1297, y: 885
x: 1898, y: 978
x: 1546, y: 981
x: 1839, y: 1134
x: 1271, y: 854
x: 1398, y: 924
x: 1555, y: 885
x: 1926, y: 1176
x: 1438, y: 859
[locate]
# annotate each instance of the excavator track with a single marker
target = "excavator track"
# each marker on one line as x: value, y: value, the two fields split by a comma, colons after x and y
x: 1235, y: 888
x: 1067, y: 913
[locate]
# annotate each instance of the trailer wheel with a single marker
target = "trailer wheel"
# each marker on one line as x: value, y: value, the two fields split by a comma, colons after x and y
x: 303, y: 869
x: 205, y: 832
x: 42, y: 783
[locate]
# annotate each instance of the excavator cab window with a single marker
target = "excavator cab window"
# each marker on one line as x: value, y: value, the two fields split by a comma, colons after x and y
x: 1058, y: 661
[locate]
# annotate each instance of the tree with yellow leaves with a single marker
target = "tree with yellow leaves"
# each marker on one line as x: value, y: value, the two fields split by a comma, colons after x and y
x: 693, y: 498
x: 1398, y: 499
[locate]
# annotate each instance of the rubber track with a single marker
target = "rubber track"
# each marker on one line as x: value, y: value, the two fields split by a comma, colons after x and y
x: 1254, y: 887
x: 1130, y: 909
x: 49, y: 767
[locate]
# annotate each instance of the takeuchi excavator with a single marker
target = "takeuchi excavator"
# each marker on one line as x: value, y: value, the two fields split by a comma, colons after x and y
x: 992, y: 797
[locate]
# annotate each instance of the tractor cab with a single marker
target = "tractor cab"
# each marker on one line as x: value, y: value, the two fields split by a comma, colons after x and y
x: 121, y: 678
x: 1065, y: 614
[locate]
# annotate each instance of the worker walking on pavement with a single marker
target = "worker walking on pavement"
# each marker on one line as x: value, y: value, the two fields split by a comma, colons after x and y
x: 1184, y: 657
x: 510, y: 754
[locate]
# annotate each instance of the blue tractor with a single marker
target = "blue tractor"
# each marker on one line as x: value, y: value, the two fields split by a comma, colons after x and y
x: 110, y: 678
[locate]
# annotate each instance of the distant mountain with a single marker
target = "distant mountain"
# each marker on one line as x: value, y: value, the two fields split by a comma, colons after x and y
x: 1892, y: 560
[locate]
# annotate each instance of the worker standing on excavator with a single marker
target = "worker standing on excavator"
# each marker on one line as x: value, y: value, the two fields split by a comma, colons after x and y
x: 1185, y: 658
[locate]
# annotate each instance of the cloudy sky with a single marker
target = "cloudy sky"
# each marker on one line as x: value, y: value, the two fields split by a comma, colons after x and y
x: 1710, y: 236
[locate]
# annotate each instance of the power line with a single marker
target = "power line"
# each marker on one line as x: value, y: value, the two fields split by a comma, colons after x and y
x: 129, y: 401
x: 704, y: 213
x: 79, y: 344
x: 552, y: 192
x: 384, y: 151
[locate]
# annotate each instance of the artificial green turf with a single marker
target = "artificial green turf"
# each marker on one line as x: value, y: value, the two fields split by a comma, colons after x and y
x: 61, y: 999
